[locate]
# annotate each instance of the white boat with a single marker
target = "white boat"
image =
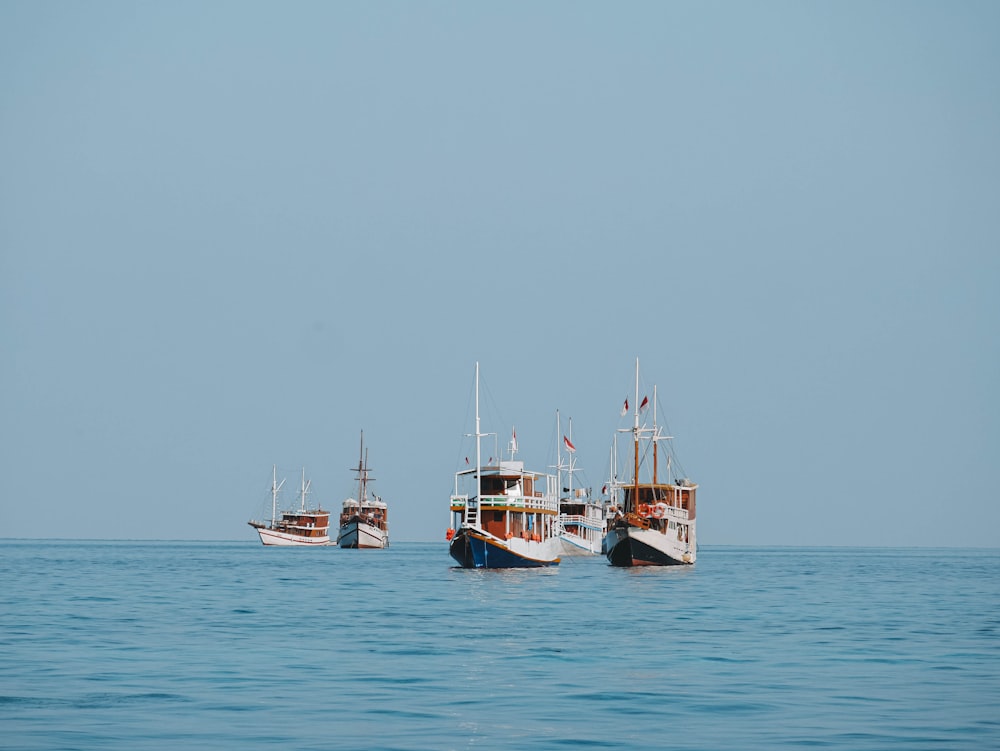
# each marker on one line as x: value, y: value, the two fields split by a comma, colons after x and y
x: 502, y: 515
x: 295, y: 527
x: 364, y: 521
x: 654, y: 517
x: 581, y: 524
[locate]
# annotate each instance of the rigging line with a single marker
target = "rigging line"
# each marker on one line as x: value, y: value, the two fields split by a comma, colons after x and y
x: 462, y: 437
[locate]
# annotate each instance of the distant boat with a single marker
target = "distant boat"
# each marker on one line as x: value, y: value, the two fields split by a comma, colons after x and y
x: 301, y: 527
x: 502, y: 515
x: 654, y: 518
x: 364, y: 521
x: 581, y: 524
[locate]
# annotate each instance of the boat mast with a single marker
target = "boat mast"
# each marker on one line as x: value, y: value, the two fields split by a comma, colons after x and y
x: 559, y: 456
x: 613, y: 461
x: 362, y: 467
x: 274, y: 493
x: 479, y: 450
x: 656, y: 451
x: 304, y: 489
x: 570, y: 470
x: 635, y: 442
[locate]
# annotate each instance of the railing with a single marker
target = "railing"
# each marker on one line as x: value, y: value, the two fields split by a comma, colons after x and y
x: 673, y: 512
x: 583, y: 521
x: 525, y: 502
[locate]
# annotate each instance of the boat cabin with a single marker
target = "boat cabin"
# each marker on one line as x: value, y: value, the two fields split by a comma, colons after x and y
x: 513, y: 502
x: 679, y: 497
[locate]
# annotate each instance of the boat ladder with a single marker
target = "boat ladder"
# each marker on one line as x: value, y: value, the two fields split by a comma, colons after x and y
x: 472, y: 512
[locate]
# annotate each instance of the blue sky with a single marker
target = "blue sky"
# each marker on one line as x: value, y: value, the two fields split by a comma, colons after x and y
x: 236, y: 234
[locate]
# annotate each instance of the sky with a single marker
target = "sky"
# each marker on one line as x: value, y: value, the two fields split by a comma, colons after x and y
x: 235, y: 235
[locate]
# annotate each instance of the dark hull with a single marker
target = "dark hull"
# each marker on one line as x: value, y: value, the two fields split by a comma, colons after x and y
x: 461, y: 551
x: 471, y: 550
x: 624, y: 550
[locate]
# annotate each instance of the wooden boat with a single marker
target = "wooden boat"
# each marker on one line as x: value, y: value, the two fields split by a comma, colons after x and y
x: 296, y: 527
x: 502, y: 515
x: 581, y: 524
x: 364, y: 521
x: 653, y: 521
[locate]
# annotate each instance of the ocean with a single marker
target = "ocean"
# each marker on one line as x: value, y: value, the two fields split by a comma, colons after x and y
x: 198, y: 645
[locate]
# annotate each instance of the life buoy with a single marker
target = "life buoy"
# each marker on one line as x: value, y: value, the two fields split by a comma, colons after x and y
x: 643, y: 509
x: 659, y: 510
x: 449, y: 534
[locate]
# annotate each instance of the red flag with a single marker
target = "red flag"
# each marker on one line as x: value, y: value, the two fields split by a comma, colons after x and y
x: 604, y: 490
x: 625, y: 408
x: 569, y: 446
x: 513, y: 440
x: 645, y: 403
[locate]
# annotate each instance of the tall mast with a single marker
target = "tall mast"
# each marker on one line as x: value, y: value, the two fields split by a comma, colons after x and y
x: 305, y: 489
x: 274, y: 493
x: 635, y: 442
x: 362, y: 470
x: 570, y: 459
x: 559, y: 456
x: 479, y: 451
x: 613, y: 461
x: 656, y: 451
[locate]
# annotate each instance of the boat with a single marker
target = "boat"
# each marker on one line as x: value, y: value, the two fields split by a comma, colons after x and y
x: 653, y: 519
x: 295, y: 527
x: 502, y: 515
x: 582, y: 523
x: 364, y: 521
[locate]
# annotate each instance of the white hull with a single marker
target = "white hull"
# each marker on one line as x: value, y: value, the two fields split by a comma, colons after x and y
x: 546, y: 550
x: 573, y: 545
x: 360, y: 535
x: 273, y: 537
x: 648, y: 547
x: 668, y: 544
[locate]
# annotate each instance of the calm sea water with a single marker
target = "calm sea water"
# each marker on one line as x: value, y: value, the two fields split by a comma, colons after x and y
x: 134, y: 645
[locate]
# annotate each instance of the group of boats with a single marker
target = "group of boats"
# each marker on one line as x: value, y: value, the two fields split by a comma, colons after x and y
x: 364, y: 521
x: 504, y: 515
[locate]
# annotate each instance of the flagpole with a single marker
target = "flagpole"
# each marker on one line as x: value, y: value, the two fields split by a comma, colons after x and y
x: 479, y: 451
x: 571, y: 459
x: 559, y: 455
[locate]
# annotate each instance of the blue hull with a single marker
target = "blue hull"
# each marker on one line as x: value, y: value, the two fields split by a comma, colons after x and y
x: 473, y: 551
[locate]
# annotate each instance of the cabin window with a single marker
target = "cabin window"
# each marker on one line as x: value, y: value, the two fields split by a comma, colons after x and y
x: 492, y: 486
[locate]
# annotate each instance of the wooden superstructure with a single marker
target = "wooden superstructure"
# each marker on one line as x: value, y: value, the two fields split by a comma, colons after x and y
x: 653, y: 522
x: 300, y: 526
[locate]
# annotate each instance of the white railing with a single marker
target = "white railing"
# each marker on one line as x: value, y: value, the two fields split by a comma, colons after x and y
x: 583, y: 521
x: 676, y: 513
x: 526, y: 502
